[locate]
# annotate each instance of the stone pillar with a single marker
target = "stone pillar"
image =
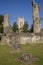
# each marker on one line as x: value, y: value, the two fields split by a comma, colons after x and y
x: 36, y: 17
x: 6, y: 22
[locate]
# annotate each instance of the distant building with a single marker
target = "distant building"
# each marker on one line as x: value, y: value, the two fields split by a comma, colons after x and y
x: 20, y: 23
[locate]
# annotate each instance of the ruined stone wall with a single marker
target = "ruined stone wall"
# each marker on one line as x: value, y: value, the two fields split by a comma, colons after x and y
x: 22, y: 38
x: 2, y: 39
x: 11, y: 38
x: 31, y: 38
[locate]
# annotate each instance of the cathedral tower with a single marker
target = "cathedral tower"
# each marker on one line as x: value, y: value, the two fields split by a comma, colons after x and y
x: 20, y: 23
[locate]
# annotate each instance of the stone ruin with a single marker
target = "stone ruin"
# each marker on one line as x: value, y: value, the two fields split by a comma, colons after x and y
x: 12, y: 38
x: 36, y: 17
x: 27, y: 58
x: 8, y: 37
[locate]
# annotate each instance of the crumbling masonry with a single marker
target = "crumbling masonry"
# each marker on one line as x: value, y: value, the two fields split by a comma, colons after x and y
x: 10, y: 37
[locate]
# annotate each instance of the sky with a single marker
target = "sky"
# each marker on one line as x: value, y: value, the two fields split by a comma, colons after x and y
x: 20, y: 8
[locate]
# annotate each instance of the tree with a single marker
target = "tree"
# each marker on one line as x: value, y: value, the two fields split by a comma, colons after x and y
x: 1, y: 29
x: 1, y: 25
x: 1, y: 19
x: 15, y: 27
x: 25, y: 27
x: 31, y: 29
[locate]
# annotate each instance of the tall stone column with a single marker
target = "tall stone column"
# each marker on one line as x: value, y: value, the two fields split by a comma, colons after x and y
x: 36, y: 17
x: 6, y: 23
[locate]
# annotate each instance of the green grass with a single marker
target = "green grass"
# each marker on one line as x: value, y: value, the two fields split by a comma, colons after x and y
x: 7, y: 58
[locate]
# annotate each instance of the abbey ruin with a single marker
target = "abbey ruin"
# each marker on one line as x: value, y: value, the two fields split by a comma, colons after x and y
x: 10, y: 37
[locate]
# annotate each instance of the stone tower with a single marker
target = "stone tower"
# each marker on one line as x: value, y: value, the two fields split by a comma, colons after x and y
x: 36, y: 17
x: 6, y: 23
x: 20, y: 23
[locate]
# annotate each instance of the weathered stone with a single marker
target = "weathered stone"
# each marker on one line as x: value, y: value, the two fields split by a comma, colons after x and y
x: 27, y: 58
x: 36, y: 17
x: 20, y: 23
x: 14, y: 39
x: 6, y: 22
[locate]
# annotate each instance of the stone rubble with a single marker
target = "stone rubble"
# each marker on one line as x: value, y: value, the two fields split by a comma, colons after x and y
x: 25, y: 57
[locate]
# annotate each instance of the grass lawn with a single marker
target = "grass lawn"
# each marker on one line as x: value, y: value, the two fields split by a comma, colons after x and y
x: 7, y: 58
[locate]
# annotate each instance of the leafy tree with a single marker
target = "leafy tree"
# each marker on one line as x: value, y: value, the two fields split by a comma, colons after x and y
x: 1, y: 29
x: 25, y: 27
x: 1, y: 25
x: 41, y: 29
x: 15, y: 27
x: 1, y: 19
x: 31, y: 29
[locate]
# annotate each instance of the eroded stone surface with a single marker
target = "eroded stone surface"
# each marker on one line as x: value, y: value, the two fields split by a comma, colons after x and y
x: 25, y: 57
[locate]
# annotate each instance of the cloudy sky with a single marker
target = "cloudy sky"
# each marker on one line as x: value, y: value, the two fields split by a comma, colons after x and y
x: 20, y: 8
